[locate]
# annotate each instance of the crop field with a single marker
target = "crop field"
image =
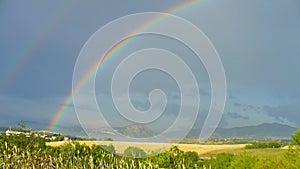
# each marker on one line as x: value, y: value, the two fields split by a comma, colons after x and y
x: 148, y: 147
x: 20, y: 151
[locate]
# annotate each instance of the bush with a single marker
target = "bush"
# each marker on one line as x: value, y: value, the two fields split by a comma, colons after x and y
x: 292, y: 156
x: 244, y: 161
x: 134, y: 152
x: 259, y: 145
x: 191, y: 157
x: 221, y: 161
x: 107, y: 139
x: 268, y: 164
x: 110, y: 148
x: 296, y: 138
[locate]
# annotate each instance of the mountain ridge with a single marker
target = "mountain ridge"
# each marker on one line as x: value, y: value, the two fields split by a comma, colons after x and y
x: 261, y: 131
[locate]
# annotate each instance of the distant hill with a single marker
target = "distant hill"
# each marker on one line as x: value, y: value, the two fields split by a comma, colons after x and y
x: 262, y: 131
x: 138, y: 131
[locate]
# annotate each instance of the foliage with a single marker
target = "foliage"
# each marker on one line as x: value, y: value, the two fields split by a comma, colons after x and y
x: 58, y: 137
x: 134, y: 152
x: 175, y: 158
x: 22, y: 124
x: 30, y: 152
x: 293, y: 154
x: 107, y: 139
x: 268, y: 164
x: 257, y: 145
x: 244, y: 161
x: 110, y: 148
x: 20, y: 151
x: 296, y: 138
x: 221, y: 161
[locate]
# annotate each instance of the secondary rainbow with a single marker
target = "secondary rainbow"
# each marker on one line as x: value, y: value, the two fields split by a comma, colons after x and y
x: 33, y: 44
x: 120, y: 45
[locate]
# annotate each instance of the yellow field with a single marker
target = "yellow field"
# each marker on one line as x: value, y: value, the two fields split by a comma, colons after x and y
x: 148, y: 147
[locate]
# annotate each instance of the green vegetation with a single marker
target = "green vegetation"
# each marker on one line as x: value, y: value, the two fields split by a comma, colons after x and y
x: 110, y: 148
x: 107, y: 139
x: 134, y: 152
x: 257, y: 145
x: 222, y: 160
x: 261, y: 153
x: 21, y: 151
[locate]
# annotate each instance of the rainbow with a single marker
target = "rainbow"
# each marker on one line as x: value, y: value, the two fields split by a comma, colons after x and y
x: 120, y: 45
x: 28, y: 51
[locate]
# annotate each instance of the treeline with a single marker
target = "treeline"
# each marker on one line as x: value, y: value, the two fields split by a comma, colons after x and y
x: 31, y: 152
x: 270, y: 144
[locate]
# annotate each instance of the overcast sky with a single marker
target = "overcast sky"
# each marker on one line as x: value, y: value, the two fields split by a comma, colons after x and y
x: 258, y: 43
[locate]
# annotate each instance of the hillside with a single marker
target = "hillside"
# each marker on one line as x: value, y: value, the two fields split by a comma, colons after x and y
x: 138, y: 131
x: 262, y: 131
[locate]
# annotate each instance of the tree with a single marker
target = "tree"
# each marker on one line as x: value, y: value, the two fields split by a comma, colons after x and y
x: 110, y: 148
x: 22, y: 124
x: 107, y: 139
x: 134, y: 152
x: 221, y: 161
x: 296, y: 138
x: 292, y: 156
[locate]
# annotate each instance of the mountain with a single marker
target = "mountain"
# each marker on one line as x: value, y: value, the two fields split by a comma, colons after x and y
x: 262, y: 131
x: 138, y: 131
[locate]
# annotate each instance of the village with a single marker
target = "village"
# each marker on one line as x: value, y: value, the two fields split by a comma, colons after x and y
x: 48, y: 135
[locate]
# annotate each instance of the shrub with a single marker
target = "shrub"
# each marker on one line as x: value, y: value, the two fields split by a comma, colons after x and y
x: 107, y: 139
x: 296, y: 138
x: 244, y: 161
x: 292, y: 156
x: 134, y: 152
x: 258, y: 145
x: 110, y: 148
x: 268, y: 164
x: 221, y: 161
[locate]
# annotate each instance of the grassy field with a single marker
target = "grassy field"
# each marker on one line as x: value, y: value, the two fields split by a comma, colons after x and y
x: 148, y: 147
x: 271, y: 153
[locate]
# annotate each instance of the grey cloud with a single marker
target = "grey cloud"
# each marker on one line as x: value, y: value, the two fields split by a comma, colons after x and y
x: 290, y: 112
x: 236, y: 116
x: 251, y: 107
x: 232, y: 97
x: 237, y: 104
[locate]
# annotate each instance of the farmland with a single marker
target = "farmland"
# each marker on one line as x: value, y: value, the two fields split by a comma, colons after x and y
x: 21, y: 151
x: 149, y: 147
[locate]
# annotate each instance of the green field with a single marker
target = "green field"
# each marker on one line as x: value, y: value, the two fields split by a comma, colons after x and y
x: 263, y: 153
